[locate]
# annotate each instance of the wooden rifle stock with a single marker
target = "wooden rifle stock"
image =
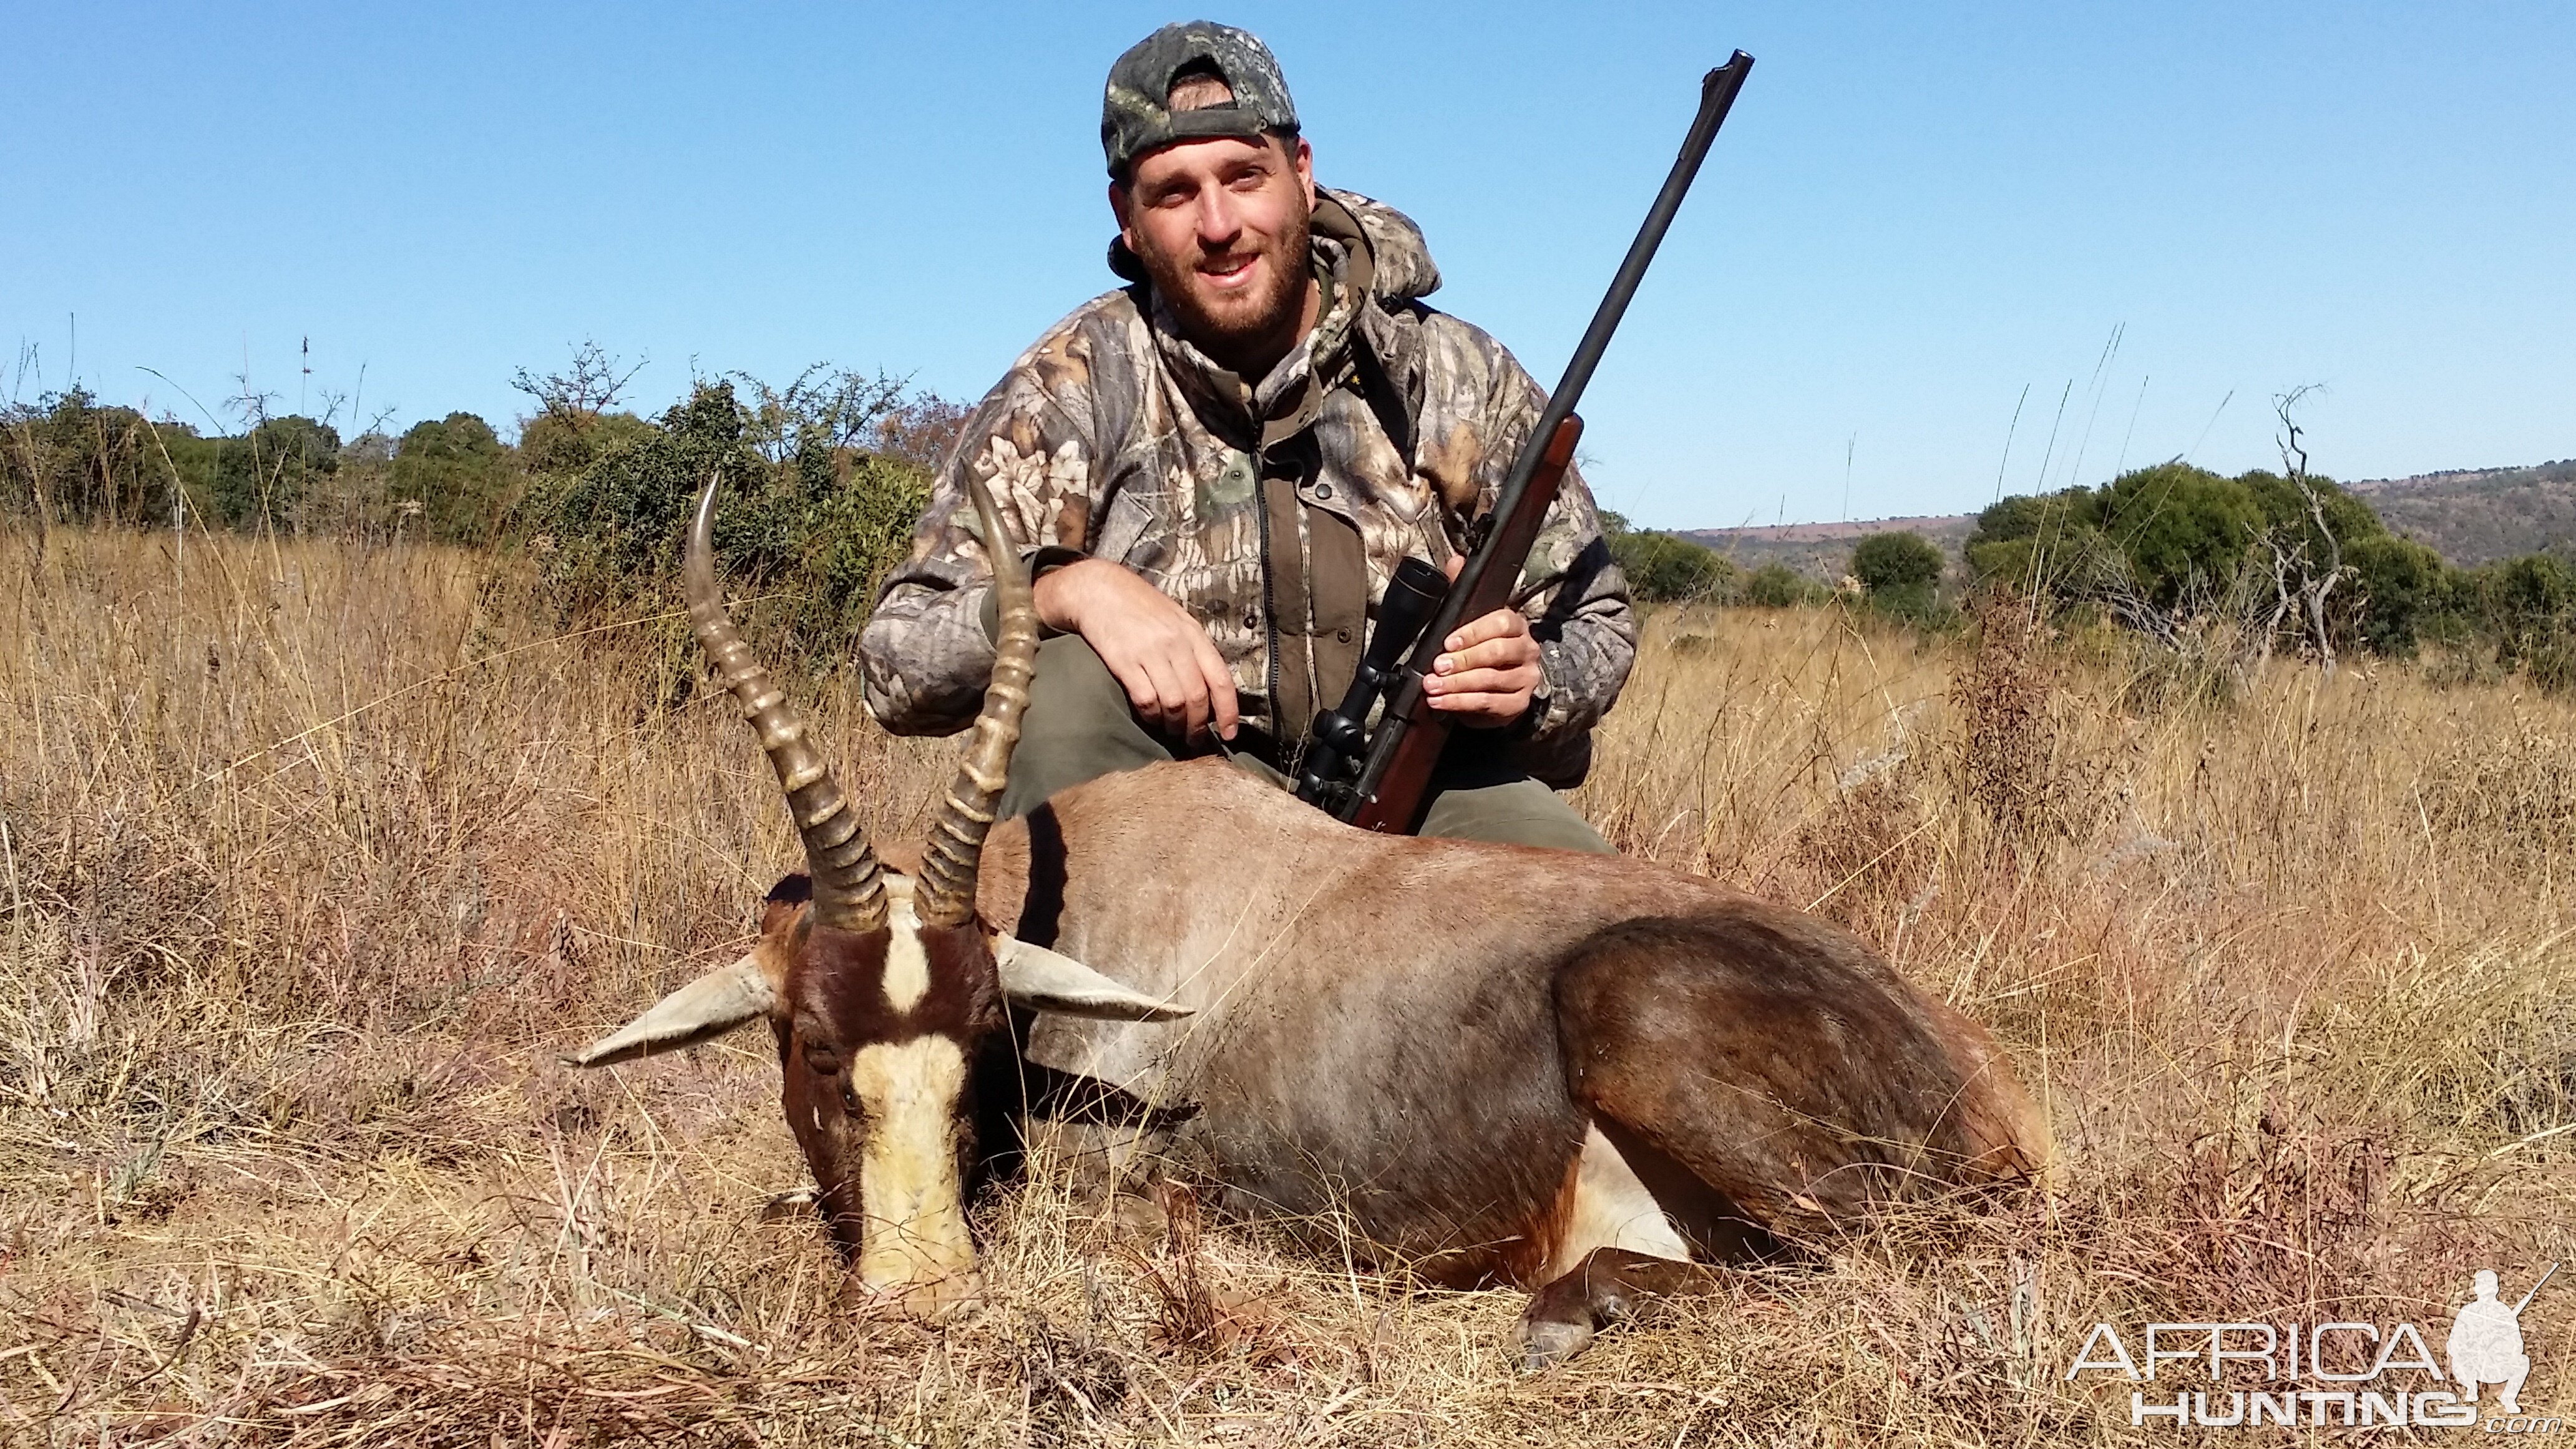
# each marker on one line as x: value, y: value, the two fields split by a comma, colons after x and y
x: 1393, y: 790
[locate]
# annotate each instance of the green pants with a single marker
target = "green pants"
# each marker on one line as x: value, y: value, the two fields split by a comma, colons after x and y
x: 1080, y: 726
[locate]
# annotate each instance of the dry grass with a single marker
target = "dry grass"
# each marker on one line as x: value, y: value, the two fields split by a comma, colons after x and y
x: 313, y: 860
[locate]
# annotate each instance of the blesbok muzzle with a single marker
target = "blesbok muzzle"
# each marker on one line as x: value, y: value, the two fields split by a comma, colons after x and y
x: 883, y: 991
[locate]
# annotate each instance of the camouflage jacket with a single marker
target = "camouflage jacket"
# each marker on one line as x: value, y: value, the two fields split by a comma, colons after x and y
x: 1273, y: 513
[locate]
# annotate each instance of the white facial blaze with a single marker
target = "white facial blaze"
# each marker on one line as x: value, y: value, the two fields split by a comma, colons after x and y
x: 907, y: 968
x: 915, y: 1229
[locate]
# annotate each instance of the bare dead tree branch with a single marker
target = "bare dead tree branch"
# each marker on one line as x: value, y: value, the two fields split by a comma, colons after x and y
x: 577, y: 396
x: 2318, y: 577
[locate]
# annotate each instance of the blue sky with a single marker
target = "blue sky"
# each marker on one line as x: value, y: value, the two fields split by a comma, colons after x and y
x: 1915, y: 214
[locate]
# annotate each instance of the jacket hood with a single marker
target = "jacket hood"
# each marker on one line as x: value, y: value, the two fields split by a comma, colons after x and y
x: 1398, y: 260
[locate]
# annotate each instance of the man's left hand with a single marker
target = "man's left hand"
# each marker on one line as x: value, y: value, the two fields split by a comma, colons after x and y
x: 1488, y: 671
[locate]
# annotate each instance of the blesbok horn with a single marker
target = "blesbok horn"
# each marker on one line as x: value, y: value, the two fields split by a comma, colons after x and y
x: 703, y: 1010
x: 945, y: 895
x: 849, y: 894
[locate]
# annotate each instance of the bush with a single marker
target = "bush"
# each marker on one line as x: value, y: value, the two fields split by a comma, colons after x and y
x: 263, y: 478
x: 1900, y: 575
x: 2177, y: 543
x: 2050, y: 546
x: 807, y: 518
x: 69, y: 460
x: 2183, y: 530
x: 2399, y: 588
x: 1778, y: 586
x: 2524, y: 605
x: 1662, y: 569
x: 459, y: 473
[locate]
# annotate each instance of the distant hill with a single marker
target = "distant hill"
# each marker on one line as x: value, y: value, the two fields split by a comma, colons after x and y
x: 2478, y: 515
x: 2470, y: 516
x: 1823, y: 550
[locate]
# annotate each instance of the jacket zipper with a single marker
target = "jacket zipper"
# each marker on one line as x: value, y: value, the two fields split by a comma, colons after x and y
x: 1269, y: 607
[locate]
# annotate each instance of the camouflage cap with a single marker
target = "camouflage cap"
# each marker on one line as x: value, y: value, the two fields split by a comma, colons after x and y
x: 1135, y: 117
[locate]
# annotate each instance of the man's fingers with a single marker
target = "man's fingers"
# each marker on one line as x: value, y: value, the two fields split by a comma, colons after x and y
x: 1174, y: 677
x: 1513, y: 653
x: 1180, y: 701
x: 1481, y: 681
x: 1501, y: 623
x: 1501, y: 708
x: 1133, y: 677
x: 1225, y: 711
x: 1162, y: 704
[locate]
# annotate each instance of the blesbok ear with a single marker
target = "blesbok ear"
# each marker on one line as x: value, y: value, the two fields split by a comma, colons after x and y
x: 1044, y: 980
x: 703, y: 1010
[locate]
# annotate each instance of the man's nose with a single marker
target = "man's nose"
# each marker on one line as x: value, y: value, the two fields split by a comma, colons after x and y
x: 1218, y: 224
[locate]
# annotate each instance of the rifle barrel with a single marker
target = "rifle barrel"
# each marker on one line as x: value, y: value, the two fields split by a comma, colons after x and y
x: 1717, y: 91
x: 1403, y: 715
x: 2535, y: 1290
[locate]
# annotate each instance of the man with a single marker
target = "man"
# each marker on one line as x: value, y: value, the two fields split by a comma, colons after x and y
x: 2486, y: 1345
x: 1215, y: 470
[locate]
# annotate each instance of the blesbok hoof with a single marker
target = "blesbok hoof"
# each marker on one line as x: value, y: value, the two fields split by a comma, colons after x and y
x: 1607, y: 1287
x: 783, y: 1206
x: 1139, y: 1216
x: 947, y: 1300
x: 937, y: 1302
x: 1545, y: 1343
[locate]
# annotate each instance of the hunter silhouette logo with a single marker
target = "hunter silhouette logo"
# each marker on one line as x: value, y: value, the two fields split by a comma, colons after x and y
x: 2486, y: 1343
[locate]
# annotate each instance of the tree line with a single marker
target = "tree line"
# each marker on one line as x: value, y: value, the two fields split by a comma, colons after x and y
x: 827, y: 474
x: 825, y: 478
x: 2274, y: 561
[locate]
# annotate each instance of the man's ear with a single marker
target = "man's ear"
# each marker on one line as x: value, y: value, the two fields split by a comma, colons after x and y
x: 1305, y: 160
x: 1118, y: 209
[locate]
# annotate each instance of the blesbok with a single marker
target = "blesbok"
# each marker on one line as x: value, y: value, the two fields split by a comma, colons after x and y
x: 1575, y: 1073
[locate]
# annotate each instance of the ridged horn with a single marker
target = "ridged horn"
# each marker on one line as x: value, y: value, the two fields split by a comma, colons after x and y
x: 848, y: 893
x: 945, y: 892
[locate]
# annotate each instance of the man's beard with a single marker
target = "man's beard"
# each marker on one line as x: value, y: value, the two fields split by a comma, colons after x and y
x: 1251, y: 326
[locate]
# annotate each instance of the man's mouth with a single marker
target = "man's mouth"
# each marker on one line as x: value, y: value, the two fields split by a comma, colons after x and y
x: 1229, y: 272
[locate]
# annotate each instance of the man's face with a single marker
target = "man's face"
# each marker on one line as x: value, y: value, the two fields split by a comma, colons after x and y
x: 1220, y: 225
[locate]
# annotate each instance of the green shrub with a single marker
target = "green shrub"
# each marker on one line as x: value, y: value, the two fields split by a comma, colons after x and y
x: 2052, y: 546
x: 70, y: 460
x: 2183, y: 530
x: 1893, y: 562
x: 1778, y: 586
x: 1662, y: 569
x: 807, y: 520
x: 2399, y: 588
x: 263, y: 478
x: 460, y: 474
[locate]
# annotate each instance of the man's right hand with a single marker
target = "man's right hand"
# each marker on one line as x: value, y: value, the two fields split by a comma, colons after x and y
x: 1168, y: 665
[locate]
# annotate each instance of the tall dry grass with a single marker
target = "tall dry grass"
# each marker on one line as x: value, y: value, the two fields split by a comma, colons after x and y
x: 312, y: 859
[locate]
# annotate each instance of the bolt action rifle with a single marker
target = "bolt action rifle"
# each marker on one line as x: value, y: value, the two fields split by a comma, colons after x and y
x: 1382, y: 783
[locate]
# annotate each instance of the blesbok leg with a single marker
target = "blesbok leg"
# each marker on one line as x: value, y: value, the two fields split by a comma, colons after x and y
x: 1775, y: 1060
x: 1758, y: 1075
x: 1604, y: 1288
